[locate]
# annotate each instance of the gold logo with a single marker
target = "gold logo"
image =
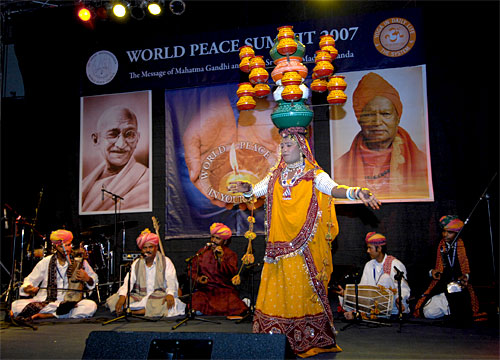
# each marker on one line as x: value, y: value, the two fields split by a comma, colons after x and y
x: 394, y: 37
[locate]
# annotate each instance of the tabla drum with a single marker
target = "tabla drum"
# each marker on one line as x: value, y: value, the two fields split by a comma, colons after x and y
x: 96, y: 256
x: 372, y: 300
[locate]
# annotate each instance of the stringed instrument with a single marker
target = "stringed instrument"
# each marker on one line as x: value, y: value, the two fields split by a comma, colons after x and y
x: 75, y: 287
x: 156, y: 225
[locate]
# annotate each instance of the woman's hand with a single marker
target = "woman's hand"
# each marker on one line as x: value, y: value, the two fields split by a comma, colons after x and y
x: 239, y: 186
x: 366, y: 196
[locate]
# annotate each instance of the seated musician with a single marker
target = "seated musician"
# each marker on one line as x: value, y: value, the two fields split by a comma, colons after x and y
x: 153, y: 283
x: 381, y: 270
x: 212, y: 271
x: 452, y: 264
x: 49, y: 285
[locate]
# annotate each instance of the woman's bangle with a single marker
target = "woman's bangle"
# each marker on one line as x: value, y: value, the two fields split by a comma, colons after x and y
x: 351, y: 193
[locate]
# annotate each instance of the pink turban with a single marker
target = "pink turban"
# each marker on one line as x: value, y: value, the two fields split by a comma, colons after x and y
x: 372, y: 85
x: 220, y: 230
x: 451, y: 223
x: 373, y: 238
x: 147, y: 237
x: 59, y: 237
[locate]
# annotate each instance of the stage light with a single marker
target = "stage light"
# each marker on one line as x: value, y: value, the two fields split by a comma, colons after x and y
x: 119, y: 10
x: 177, y: 7
x: 154, y: 8
x: 84, y: 14
x: 137, y: 12
x: 101, y: 12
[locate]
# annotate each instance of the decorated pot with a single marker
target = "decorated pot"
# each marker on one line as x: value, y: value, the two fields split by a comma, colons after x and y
x: 336, y: 97
x: 286, y: 66
x: 323, y: 69
x: 245, y: 64
x: 319, y: 85
x: 257, y: 62
x: 326, y: 40
x: 292, y: 93
x: 322, y: 55
x: 258, y: 75
x: 246, y: 51
x: 337, y: 82
x: 287, y: 46
x: 262, y: 90
x: 291, y: 78
x: 331, y: 50
x: 285, y: 32
x: 245, y: 89
x: 297, y: 55
x: 287, y: 114
x: 246, y: 103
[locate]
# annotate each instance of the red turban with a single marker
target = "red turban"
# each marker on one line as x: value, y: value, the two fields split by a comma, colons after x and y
x: 451, y: 223
x: 372, y: 85
x: 59, y: 237
x: 220, y: 230
x: 373, y: 238
x: 147, y: 237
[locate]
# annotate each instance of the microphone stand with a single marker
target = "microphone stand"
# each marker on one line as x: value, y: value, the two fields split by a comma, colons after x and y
x: 128, y: 313
x: 112, y: 259
x: 251, y: 309
x: 190, y: 314
x: 399, y: 278
x: 486, y: 197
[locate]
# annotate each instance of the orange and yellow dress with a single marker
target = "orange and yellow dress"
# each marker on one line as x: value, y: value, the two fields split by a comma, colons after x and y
x: 293, y: 293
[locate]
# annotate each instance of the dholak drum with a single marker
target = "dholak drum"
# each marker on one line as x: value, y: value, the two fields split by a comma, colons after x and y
x: 96, y: 256
x: 371, y: 300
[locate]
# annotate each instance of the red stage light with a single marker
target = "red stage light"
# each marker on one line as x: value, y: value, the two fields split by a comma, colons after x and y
x: 84, y: 14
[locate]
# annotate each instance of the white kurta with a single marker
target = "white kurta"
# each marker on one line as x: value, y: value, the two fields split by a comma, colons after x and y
x: 373, y: 274
x: 39, y: 278
x: 171, y: 285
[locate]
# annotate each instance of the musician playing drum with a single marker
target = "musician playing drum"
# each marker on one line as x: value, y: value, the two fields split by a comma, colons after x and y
x: 50, y: 282
x: 381, y: 271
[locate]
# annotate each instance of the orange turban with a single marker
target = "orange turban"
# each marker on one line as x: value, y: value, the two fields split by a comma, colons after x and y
x: 372, y: 85
x: 373, y: 238
x: 451, y: 223
x: 220, y: 230
x: 147, y: 237
x: 59, y: 237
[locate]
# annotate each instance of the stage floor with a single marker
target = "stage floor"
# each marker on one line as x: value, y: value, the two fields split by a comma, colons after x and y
x: 66, y: 339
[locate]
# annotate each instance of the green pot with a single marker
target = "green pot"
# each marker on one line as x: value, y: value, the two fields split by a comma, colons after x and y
x: 288, y: 114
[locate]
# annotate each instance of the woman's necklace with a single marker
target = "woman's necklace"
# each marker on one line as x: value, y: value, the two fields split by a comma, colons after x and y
x: 298, y: 168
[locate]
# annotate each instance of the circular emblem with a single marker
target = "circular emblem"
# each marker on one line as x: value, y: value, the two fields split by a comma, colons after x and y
x: 102, y: 67
x: 394, y: 37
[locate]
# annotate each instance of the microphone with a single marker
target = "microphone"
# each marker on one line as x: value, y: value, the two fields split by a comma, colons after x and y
x: 102, y: 193
x: 399, y: 274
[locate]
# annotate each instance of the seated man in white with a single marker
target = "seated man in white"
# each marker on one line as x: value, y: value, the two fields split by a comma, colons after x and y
x: 153, y: 283
x: 381, y: 270
x: 48, y: 283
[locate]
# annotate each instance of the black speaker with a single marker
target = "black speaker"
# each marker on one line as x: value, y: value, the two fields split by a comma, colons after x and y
x: 185, y: 345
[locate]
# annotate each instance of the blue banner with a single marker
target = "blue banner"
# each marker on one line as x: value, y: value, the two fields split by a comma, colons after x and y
x: 372, y: 41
